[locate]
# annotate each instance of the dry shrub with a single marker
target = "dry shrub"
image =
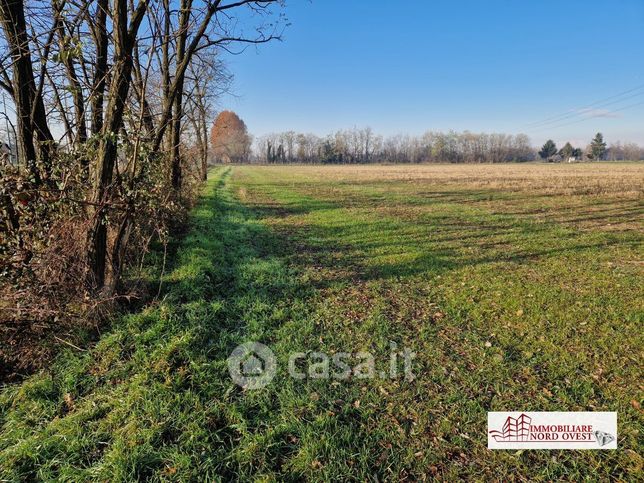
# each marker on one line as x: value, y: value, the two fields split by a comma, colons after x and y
x: 43, y: 298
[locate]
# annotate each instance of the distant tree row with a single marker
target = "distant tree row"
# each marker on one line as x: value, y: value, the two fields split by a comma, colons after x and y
x: 231, y: 143
x: 624, y: 152
x: 355, y: 146
x: 597, y: 150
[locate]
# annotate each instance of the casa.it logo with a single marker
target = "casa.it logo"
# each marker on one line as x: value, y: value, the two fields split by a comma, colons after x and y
x: 545, y: 430
x: 252, y: 365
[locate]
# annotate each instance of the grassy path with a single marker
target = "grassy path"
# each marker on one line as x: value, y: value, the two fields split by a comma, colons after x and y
x: 300, y: 268
x: 154, y: 398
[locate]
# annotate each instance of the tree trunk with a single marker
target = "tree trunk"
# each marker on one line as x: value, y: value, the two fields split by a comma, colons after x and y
x: 165, y: 66
x: 118, y: 252
x: 77, y: 93
x: 203, y: 119
x: 204, y: 142
x: 182, y: 35
x: 139, y: 85
x: 30, y: 108
x: 118, y: 93
x: 100, y: 70
x: 76, y: 88
x: 176, y: 141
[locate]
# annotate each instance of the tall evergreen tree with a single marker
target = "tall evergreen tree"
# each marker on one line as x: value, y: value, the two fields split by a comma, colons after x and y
x: 549, y: 149
x: 597, y: 147
x: 567, y: 151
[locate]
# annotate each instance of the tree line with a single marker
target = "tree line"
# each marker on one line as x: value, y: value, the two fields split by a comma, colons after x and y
x: 364, y: 146
x: 108, y: 110
x: 356, y: 145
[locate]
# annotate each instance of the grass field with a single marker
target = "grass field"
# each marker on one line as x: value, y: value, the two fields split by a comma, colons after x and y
x: 519, y: 287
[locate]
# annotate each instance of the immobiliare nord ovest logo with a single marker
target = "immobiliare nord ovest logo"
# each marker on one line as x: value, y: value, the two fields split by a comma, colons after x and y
x: 578, y: 430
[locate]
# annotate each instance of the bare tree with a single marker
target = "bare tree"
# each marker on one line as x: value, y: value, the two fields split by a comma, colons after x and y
x: 206, y: 82
x: 30, y: 109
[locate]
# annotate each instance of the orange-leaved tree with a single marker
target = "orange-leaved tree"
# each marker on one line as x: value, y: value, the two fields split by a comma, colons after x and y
x: 229, y: 138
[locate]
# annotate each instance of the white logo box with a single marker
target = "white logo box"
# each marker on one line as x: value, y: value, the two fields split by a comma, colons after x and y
x: 551, y: 430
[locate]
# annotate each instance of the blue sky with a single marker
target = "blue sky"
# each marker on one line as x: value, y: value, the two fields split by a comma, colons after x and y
x: 411, y: 65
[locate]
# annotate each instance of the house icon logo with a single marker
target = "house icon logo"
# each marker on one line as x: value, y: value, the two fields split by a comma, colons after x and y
x: 514, y: 429
x: 252, y: 365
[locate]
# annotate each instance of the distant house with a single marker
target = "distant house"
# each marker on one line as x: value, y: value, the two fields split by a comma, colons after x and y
x: 572, y: 159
